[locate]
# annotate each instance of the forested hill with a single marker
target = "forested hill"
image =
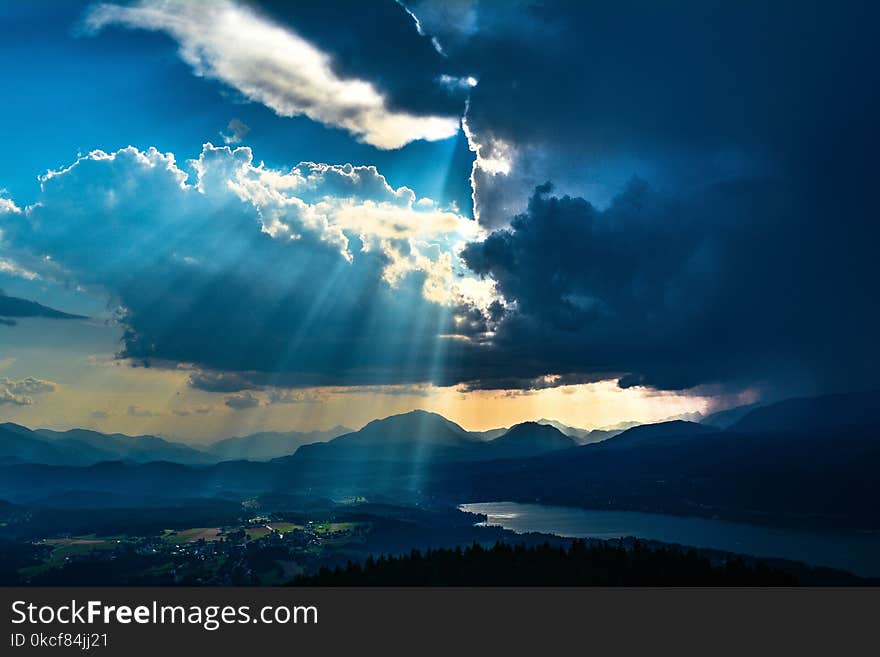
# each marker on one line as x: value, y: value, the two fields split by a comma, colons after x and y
x: 581, y: 564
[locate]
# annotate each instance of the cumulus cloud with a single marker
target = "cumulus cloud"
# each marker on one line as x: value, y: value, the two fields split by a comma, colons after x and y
x: 320, y: 274
x: 590, y: 94
x: 8, y: 207
x: 745, y: 255
x: 237, y: 382
x: 672, y: 292
x: 219, y: 381
x: 7, y: 397
x: 19, y: 392
x: 748, y: 255
x: 243, y: 400
x: 273, y: 65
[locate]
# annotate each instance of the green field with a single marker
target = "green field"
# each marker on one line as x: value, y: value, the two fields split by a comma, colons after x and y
x: 62, y: 548
x: 284, y: 527
x: 193, y: 534
x: 330, y: 527
x: 256, y: 532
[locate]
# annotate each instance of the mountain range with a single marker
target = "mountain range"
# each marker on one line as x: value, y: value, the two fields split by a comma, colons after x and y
x: 420, y: 436
x: 84, y: 447
x: 417, y: 434
x: 807, y: 462
x: 19, y: 444
x: 267, y: 445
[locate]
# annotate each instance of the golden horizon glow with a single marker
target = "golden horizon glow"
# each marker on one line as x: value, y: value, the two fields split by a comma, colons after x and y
x: 109, y: 395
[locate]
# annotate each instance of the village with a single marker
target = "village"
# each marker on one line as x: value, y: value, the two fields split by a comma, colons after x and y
x: 261, y: 551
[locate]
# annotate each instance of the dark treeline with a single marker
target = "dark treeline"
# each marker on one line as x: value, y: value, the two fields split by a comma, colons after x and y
x: 582, y: 564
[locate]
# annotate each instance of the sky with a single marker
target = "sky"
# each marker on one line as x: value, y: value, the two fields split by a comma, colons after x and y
x: 224, y: 217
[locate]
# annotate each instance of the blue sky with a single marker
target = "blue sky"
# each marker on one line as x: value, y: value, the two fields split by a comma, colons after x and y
x: 269, y: 210
x: 70, y: 93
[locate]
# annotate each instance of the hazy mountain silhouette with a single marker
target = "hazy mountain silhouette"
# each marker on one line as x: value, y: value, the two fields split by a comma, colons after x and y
x: 268, y: 445
x: 582, y: 436
x: 805, y: 462
x: 724, y: 419
x: 490, y: 434
x: 812, y: 414
x: 120, y: 447
x: 529, y: 439
x: 83, y: 447
x: 17, y: 307
x: 421, y: 436
x: 414, y: 436
x: 589, y: 436
x: 653, y: 435
x: 19, y: 444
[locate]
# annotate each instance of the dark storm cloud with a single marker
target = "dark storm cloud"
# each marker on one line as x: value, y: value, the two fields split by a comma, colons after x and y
x: 589, y: 94
x: 535, y: 383
x: 376, y: 41
x: 220, y: 381
x: 745, y: 254
x: 739, y: 282
x: 715, y: 219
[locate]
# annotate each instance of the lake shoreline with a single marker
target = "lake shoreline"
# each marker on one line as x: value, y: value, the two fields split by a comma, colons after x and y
x: 852, y: 552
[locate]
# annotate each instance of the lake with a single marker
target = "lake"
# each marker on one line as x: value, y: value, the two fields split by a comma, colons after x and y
x: 858, y: 553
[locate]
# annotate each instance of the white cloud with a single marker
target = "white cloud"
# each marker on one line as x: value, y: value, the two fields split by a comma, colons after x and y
x: 19, y: 392
x: 8, y: 207
x: 494, y: 158
x: 461, y: 83
x: 233, y: 266
x: 11, y: 268
x: 340, y: 202
x: 148, y: 193
x: 274, y: 66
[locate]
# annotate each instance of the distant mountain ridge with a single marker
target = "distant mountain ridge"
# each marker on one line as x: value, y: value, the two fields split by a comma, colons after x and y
x: 268, y: 445
x: 413, y: 436
x: 80, y: 447
x: 529, y: 439
x: 15, y: 307
x: 729, y: 416
x: 804, y: 462
x: 417, y: 434
x: 823, y: 413
x: 582, y: 436
x: 84, y: 447
x: 653, y: 435
x: 587, y: 436
x: 421, y: 435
